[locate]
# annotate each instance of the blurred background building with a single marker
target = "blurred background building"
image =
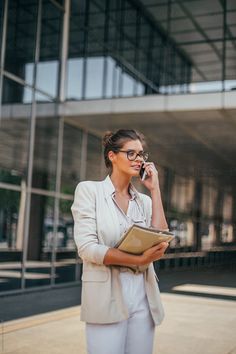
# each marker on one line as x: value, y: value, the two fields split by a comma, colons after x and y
x: 71, y: 69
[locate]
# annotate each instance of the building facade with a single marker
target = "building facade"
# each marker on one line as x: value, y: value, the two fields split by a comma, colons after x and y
x: 59, y: 61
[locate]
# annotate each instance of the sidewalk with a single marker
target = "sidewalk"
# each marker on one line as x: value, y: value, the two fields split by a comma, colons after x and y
x: 193, y: 324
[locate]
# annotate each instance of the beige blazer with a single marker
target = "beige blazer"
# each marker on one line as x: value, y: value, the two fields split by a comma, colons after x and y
x: 96, y: 229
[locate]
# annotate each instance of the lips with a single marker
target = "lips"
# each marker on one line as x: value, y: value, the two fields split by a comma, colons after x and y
x: 137, y: 166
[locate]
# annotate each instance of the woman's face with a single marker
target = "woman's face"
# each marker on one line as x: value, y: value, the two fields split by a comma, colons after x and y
x: 121, y: 162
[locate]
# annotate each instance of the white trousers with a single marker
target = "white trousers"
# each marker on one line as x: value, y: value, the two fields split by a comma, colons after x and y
x: 132, y: 336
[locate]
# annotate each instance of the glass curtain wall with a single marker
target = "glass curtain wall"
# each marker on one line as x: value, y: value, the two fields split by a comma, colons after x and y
x: 42, y: 158
x: 115, y: 50
x: 35, y: 222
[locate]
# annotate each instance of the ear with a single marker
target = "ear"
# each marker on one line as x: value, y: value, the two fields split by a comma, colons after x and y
x: 111, y: 155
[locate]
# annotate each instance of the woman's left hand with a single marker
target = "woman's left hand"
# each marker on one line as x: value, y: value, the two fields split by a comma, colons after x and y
x: 151, y: 181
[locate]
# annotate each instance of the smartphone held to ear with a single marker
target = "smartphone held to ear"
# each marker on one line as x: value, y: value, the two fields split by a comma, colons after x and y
x: 142, y: 173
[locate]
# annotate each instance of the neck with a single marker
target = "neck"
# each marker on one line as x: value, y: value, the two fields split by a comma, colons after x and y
x: 121, y: 182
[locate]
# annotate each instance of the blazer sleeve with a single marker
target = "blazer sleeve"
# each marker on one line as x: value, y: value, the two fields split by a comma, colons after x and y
x: 85, y: 225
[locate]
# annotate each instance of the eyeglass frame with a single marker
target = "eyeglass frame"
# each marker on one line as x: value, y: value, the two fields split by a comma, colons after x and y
x: 137, y: 154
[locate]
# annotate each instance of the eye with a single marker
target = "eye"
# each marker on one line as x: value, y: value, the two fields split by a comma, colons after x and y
x: 131, y: 153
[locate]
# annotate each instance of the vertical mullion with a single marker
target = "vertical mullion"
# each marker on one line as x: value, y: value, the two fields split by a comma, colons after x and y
x: 137, y: 47
x: 150, y: 58
x: 64, y: 52
x: 57, y: 199
x: 85, y: 53
x: 121, y: 43
x: 31, y: 149
x: 3, y: 50
x: 224, y: 43
x: 106, y: 40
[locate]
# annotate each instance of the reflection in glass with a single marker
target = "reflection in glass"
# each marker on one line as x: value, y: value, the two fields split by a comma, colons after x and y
x: 41, y: 238
x: 208, y: 235
x: 71, y: 159
x: 15, y: 93
x: 127, y: 85
x: 227, y: 233
x: 182, y: 194
x: 45, y: 153
x: 183, y: 231
x: 21, y: 37
x: 12, y: 206
x: 94, y: 77
x: 75, y: 78
x: 14, y: 140
x: 209, y: 197
x: 48, y: 66
x: 109, y: 77
x: 66, y: 250
x: 94, y: 158
x: 1, y: 22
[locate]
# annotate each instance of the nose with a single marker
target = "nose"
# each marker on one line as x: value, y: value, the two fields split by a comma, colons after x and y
x: 139, y: 157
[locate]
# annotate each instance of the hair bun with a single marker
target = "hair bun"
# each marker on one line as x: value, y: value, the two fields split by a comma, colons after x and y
x: 107, y: 138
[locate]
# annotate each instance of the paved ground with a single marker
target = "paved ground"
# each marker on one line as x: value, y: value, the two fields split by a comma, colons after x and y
x: 200, y: 317
x: 193, y: 324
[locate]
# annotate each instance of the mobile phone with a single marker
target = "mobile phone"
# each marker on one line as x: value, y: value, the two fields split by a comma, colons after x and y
x: 142, y: 173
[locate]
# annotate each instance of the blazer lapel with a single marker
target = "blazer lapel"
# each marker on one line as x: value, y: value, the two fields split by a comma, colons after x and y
x: 108, y: 191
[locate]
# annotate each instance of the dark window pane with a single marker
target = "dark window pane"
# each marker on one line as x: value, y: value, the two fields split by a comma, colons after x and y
x: 15, y: 93
x: 14, y: 138
x: 48, y: 66
x: 41, y: 239
x: 65, y: 245
x: 1, y: 23
x: 45, y: 153
x: 21, y: 37
x: 11, y: 238
x: 94, y: 158
x: 71, y: 159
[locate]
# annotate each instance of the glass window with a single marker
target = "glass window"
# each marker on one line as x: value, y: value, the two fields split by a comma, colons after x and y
x: 184, y: 233
x: 208, y: 235
x: 75, y: 78
x: 66, y: 249
x: 94, y: 158
x: 227, y: 233
x: 109, y: 77
x: 94, y: 77
x: 15, y: 93
x: 50, y: 44
x: 227, y: 207
x: 45, y: 153
x: 21, y: 37
x: 71, y: 159
x: 209, y: 197
x: 12, y: 205
x: 127, y: 85
x: 1, y: 22
x: 14, y: 137
x: 182, y: 194
x: 41, y: 241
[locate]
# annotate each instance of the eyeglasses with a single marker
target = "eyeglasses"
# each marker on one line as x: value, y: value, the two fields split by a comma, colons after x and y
x: 132, y: 155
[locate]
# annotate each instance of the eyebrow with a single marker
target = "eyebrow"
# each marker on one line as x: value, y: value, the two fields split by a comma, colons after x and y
x: 135, y: 150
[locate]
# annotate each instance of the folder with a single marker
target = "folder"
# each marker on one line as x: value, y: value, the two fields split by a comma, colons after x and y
x: 138, y: 239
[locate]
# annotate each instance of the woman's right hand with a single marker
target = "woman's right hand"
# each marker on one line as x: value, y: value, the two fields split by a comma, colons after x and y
x: 154, y: 253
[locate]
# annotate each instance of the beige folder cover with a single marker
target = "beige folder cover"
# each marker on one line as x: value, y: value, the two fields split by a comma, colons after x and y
x: 138, y: 239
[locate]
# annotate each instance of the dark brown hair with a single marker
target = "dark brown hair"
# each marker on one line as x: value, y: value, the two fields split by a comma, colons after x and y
x: 115, y: 141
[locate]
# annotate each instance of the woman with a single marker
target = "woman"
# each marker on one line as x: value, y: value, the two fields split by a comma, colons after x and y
x: 120, y: 305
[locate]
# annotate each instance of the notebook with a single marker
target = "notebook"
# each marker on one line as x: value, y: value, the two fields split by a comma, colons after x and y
x: 138, y: 239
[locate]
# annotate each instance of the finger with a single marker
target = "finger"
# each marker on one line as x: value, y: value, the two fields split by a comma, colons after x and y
x: 161, y: 245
